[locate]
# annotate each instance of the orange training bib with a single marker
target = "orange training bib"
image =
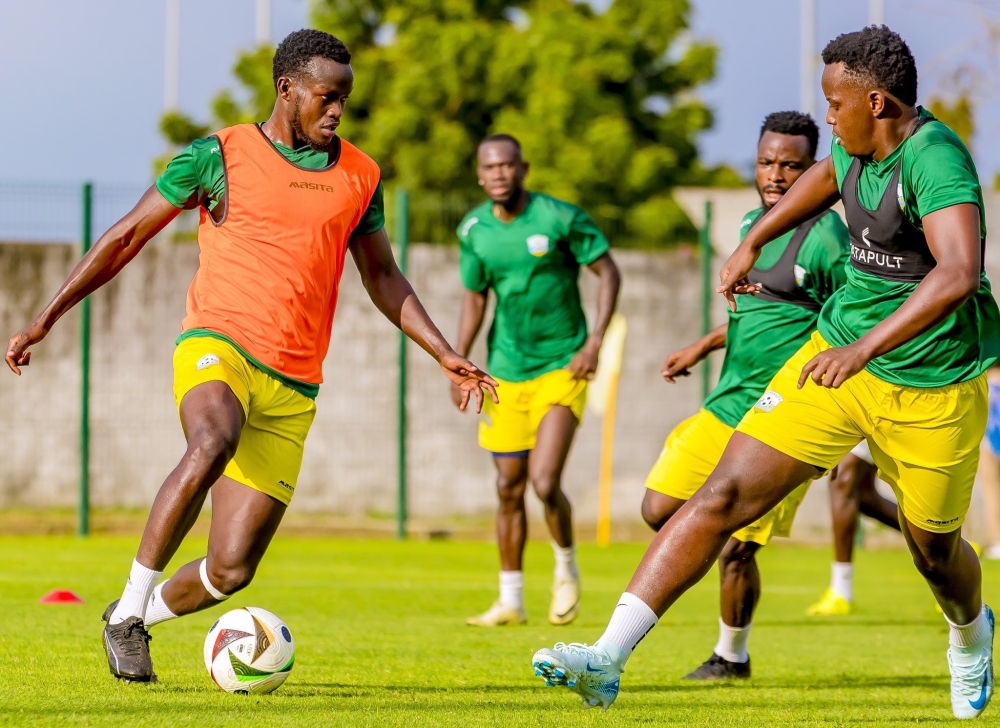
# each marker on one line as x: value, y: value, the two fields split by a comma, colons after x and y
x: 270, y: 271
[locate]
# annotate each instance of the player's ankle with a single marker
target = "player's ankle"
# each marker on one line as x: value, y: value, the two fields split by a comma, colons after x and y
x: 512, y: 589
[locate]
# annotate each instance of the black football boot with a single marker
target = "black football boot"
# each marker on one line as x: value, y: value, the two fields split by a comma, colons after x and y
x: 719, y: 668
x: 127, y: 647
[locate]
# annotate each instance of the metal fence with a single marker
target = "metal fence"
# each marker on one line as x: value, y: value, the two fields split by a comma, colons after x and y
x: 67, y: 213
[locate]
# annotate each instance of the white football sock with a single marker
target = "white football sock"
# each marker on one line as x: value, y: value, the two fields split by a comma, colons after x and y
x: 631, y: 621
x: 157, y: 610
x: 512, y: 589
x: 971, y: 634
x: 842, y: 579
x: 136, y: 595
x: 732, y: 644
x: 566, y: 567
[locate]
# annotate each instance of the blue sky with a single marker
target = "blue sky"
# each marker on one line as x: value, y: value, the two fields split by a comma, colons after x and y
x: 85, y: 79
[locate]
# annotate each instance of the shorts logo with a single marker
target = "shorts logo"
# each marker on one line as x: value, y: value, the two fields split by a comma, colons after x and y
x: 285, y: 485
x: 207, y: 361
x: 941, y: 523
x: 538, y: 245
x: 769, y: 401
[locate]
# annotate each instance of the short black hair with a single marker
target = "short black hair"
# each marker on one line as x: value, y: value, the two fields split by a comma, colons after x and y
x: 793, y: 123
x: 502, y: 138
x: 879, y: 56
x: 297, y: 49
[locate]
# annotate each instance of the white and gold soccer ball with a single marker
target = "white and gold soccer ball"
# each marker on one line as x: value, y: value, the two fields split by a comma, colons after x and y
x: 249, y: 650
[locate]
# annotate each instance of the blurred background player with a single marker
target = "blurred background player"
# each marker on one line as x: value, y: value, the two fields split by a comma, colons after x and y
x: 281, y: 204
x: 899, y: 358
x: 989, y: 468
x: 798, y: 273
x: 852, y: 493
x: 528, y: 249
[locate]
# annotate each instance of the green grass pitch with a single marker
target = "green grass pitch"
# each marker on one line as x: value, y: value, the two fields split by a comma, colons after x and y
x: 381, y: 641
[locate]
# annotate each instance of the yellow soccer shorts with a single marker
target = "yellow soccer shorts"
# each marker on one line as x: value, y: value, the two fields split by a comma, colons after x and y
x: 512, y: 426
x: 925, y: 442
x: 689, y: 456
x: 278, y: 418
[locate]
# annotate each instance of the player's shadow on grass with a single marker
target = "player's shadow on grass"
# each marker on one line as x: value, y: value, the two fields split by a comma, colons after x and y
x: 340, y: 687
x: 842, y: 682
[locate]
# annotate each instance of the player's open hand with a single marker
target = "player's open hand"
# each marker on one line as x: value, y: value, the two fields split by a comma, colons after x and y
x: 584, y: 364
x: 833, y: 367
x: 733, y: 279
x: 680, y: 363
x: 17, y: 348
x: 469, y: 379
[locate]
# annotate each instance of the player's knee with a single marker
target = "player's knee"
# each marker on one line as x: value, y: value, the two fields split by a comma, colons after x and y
x: 719, y: 498
x: 653, y: 512
x: 737, y: 556
x: 510, y: 490
x: 935, y: 558
x: 547, y: 486
x: 229, y: 578
x: 211, y: 451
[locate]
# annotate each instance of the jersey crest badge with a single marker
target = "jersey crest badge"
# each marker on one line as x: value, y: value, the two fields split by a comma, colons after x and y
x: 800, y: 275
x: 538, y: 245
x: 769, y: 401
x: 899, y: 196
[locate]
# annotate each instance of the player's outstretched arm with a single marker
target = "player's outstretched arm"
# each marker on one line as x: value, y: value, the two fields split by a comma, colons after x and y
x: 469, y: 323
x: 584, y: 364
x: 681, y: 362
x: 953, y: 238
x: 112, y: 252
x: 394, y: 297
x: 812, y: 193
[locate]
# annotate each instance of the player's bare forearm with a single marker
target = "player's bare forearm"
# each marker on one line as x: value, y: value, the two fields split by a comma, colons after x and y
x: 392, y: 294
x: 713, y: 340
x: 812, y: 193
x: 610, y: 283
x: 953, y: 239
x: 470, y: 321
x: 680, y: 362
x: 112, y: 252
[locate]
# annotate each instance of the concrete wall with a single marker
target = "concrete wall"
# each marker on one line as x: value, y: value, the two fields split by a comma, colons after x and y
x: 349, y: 465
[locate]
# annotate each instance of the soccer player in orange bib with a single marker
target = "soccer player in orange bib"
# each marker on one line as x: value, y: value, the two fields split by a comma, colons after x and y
x: 281, y: 204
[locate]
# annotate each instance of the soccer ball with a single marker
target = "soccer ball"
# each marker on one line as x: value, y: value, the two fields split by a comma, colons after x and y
x: 249, y: 650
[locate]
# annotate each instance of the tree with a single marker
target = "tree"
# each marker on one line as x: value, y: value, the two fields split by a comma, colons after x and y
x: 602, y: 102
x: 959, y: 116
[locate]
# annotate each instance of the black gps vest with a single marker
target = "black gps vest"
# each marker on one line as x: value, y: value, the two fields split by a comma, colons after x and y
x: 883, y: 241
x: 778, y: 282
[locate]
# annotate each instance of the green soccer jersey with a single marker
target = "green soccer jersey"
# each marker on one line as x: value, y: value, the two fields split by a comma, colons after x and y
x: 763, y: 335
x: 937, y: 172
x: 532, y: 263
x: 196, y: 177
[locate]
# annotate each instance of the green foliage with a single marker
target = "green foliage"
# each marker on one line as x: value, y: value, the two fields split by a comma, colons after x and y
x: 602, y: 103
x: 959, y: 116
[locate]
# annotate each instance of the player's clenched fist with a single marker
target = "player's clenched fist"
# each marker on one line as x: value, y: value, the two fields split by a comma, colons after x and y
x: 17, y: 348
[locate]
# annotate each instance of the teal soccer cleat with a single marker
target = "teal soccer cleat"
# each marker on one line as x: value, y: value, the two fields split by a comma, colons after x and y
x: 587, y: 670
x: 972, y: 675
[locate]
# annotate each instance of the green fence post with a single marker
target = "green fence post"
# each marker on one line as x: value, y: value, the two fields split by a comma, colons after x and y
x: 705, y: 244
x: 83, y: 526
x: 403, y: 240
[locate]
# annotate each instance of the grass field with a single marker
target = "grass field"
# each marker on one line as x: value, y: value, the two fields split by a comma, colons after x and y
x: 381, y: 641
